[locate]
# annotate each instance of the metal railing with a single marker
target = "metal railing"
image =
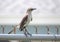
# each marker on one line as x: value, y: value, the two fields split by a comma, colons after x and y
x: 47, y: 36
x: 35, y: 26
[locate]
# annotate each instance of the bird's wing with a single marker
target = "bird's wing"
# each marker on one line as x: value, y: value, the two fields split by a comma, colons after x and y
x: 23, y: 22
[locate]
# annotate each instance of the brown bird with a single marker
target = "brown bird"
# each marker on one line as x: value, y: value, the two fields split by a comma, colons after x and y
x: 26, y: 20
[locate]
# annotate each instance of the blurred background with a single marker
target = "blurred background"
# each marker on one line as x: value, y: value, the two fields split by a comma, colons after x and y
x: 12, y: 11
x: 46, y: 19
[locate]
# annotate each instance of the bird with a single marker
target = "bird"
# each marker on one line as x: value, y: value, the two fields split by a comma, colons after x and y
x: 26, y: 20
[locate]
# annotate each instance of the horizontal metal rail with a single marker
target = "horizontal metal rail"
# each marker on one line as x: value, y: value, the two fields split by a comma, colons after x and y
x: 34, y: 37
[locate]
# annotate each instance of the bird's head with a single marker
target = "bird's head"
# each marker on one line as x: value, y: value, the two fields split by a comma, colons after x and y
x: 29, y: 10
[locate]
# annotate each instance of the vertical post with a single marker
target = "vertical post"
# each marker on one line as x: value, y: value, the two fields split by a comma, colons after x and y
x: 36, y: 29
x: 14, y: 29
x: 56, y: 26
x: 48, y: 32
x: 57, y: 29
x: 2, y: 29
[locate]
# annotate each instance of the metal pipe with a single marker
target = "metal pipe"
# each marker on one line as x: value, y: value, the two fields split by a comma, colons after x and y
x: 34, y: 37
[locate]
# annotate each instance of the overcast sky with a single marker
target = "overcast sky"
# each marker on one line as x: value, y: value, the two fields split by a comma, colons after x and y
x: 12, y: 11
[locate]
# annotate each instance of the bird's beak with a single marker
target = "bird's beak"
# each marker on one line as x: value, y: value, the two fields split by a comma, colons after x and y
x: 34, y: 8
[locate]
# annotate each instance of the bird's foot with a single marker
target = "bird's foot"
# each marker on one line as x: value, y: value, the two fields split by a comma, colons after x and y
x: 25, y: 34
x: 29, y: 34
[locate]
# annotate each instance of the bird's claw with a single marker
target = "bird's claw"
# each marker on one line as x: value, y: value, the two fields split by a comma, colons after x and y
x: 29, y: 34
x: 26, y: 35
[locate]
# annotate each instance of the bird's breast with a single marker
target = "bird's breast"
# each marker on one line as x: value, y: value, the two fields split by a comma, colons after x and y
x: 29, y: 17
x: 28, y: 20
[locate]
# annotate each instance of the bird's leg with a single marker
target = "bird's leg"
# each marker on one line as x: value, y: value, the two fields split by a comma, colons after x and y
x: 27, y: 32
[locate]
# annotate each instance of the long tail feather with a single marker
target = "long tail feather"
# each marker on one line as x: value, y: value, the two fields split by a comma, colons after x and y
x: 11, y: 31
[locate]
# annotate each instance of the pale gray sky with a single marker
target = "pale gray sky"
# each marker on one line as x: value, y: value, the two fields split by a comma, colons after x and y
x: 12, y: 11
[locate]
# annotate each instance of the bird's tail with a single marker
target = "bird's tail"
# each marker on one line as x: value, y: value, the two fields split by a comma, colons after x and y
x: 11, y: 31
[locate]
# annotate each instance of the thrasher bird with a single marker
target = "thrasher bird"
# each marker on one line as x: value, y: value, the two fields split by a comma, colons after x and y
x: 26, y: 20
